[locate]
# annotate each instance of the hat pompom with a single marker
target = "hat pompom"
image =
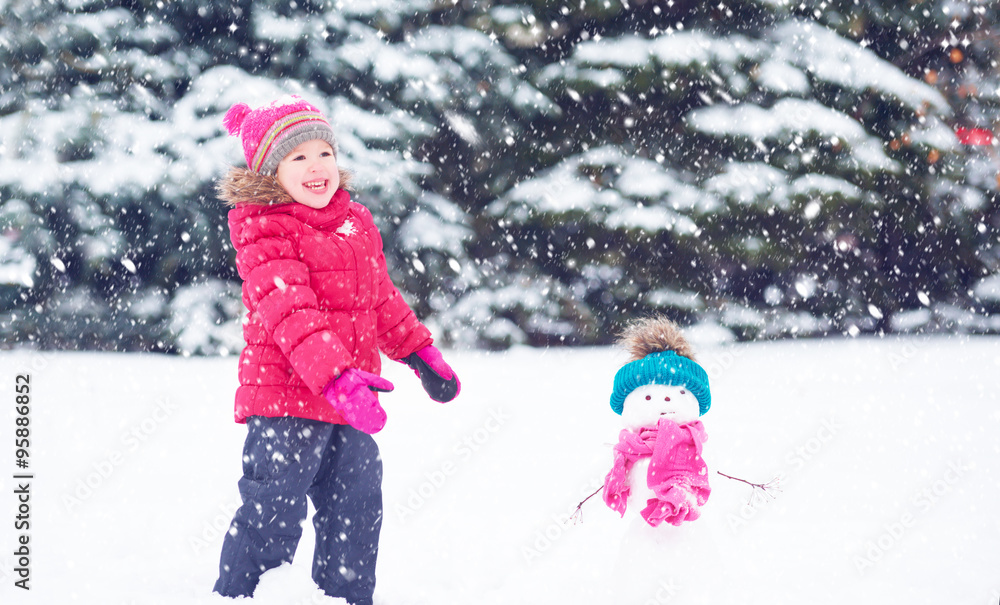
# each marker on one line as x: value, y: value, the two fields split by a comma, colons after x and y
x: 659, y: 355
x: 654, y: 335
x: 234, y: 118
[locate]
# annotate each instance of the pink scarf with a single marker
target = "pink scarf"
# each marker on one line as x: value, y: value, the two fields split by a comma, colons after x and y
x: 677, y: 474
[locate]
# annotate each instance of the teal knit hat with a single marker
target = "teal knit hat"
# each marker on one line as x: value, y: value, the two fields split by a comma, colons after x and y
x: 666, y: 368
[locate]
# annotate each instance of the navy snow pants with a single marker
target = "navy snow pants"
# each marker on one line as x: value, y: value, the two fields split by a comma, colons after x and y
x: 339, y: 469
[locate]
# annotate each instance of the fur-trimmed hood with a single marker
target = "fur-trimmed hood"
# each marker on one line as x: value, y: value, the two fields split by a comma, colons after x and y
x: 244, y: 186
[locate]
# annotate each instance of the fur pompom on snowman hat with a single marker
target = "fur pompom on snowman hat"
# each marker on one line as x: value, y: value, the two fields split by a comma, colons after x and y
x: 659, y: 355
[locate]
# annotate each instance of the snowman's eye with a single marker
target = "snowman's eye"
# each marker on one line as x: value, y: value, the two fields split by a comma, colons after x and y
x: 683, y: 392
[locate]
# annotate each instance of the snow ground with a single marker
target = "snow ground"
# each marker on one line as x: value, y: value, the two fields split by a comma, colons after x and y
x: 888, y: 452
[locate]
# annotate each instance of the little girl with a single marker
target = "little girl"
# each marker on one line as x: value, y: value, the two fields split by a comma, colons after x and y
x: 321, y: 307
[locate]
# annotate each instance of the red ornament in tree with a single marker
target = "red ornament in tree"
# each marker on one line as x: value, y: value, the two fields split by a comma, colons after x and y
x: 974, y: 136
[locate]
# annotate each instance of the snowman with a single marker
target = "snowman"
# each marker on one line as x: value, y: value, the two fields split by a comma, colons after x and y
x: 660, y: 394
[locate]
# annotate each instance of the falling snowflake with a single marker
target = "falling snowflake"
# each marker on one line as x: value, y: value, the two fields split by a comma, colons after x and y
x: 347, y: 229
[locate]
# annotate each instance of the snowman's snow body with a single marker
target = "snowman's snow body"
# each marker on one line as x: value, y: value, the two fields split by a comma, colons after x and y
x: 660, y: 394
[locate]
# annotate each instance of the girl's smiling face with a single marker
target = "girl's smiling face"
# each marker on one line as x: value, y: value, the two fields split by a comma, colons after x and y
x: 309, y: 173
x: 647, y: 404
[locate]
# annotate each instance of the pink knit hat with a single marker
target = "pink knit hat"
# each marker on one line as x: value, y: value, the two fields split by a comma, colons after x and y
x: 271, y: 132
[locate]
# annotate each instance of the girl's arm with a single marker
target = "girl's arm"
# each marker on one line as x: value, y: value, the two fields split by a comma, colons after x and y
x: 277, y: 287
x: 399, y: 331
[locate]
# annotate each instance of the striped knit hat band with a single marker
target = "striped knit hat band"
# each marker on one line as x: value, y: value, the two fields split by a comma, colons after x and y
x: 285, y: 135
x: 271, y: 132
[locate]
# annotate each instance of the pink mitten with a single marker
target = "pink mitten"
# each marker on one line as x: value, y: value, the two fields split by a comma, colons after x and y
x: 351, y: 395
x: 436, y: 376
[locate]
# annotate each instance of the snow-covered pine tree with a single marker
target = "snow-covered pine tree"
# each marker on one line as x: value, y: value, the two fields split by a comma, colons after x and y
x: 541, y: 170
x: 110, y: 118
x: 952, y: 45
x: 740, y: 160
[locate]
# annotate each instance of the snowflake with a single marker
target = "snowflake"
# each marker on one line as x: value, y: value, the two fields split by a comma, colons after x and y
x: 347, y: 229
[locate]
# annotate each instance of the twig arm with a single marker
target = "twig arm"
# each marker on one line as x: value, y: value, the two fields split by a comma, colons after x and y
x: 765, y: 488
x: 578, y: 513
x: 751, y: 484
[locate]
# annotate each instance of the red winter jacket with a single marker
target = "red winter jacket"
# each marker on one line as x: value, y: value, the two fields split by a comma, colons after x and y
x: 320, y: 301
